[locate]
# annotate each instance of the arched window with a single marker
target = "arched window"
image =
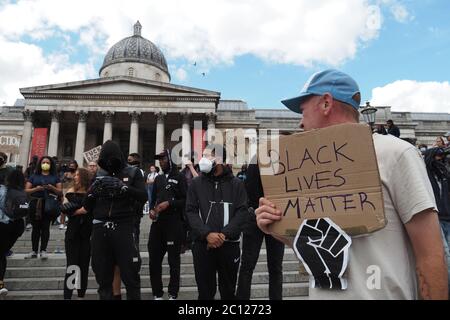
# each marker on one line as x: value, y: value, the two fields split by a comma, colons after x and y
x: 106, y: 74
x: 157, y: 77
x: 131, y: 72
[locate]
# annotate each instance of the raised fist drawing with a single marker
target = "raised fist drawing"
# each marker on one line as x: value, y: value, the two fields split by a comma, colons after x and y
x: 323, y: 248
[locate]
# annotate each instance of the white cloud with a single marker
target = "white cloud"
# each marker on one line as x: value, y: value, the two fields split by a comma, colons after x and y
x: 300, y: 32
x: 414, y: 96
x: 23, y: 65
x: 181, y: 74
x: 398, y: 10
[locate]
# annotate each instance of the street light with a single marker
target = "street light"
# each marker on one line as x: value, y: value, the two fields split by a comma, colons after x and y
x: 369, y: 113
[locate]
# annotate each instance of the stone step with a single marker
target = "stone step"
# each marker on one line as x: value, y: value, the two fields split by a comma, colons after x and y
x: 20, y: 284
x: 59, y: 260
x: 259, y: 291
x: 54, y: 248
x: 58, y: 272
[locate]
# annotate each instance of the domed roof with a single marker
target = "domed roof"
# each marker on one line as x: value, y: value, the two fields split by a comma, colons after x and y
x: 135, y: 49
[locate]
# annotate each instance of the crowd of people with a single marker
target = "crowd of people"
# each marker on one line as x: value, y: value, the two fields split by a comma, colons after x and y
x: 223, y: 218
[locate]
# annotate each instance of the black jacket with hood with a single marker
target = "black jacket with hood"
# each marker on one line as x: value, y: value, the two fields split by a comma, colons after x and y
x: 440, y: 181
x: 122, y: 207
x: 217, y: 204
x: 170, y: 186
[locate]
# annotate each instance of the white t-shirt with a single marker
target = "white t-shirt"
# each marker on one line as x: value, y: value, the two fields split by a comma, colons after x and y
x: 388, y: 252
x: 152, y: 176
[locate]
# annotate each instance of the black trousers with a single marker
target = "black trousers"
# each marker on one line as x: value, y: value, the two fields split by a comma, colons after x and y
x: 9, y: 233
x: 251, y: 246
x: 41, y: 231
x: 78, y: 253
x: 207, y: 262
x: 165, y: 236
x: 115, y: 245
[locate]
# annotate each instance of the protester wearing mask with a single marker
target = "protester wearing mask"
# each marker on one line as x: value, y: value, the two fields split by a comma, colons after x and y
x: 252, y: 241
x: 134, y: 160
x: 166, y: 232
x: 43, y: 186
x: 423, y: 148
x: 111, y: 200
x: 216, y: 208
x: 79, y: 229
x: 440, y: 181
x: 190, y: 171
x: 11, y: 225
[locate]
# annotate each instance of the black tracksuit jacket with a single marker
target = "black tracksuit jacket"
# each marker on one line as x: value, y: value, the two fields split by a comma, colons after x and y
x: 217, y: 204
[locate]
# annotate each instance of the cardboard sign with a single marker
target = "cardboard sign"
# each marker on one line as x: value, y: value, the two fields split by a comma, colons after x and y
x: 93, y: 154
x: 330, y: 172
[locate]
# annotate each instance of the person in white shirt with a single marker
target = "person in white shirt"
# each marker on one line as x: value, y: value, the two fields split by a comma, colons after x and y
x: 408, y: 252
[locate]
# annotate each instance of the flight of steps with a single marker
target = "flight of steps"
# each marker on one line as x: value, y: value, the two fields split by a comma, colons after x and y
x: 37, y: 279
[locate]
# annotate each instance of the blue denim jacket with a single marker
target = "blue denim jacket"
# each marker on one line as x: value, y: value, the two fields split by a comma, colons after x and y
x: 3, y: 217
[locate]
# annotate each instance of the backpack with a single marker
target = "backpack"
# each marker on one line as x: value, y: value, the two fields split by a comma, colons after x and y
x: 16, y: 205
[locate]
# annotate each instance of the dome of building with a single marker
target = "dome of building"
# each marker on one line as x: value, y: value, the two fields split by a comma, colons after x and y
x: 137, y: 57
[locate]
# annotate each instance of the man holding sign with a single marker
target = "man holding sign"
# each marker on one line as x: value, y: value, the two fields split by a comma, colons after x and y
x: 383, y: 264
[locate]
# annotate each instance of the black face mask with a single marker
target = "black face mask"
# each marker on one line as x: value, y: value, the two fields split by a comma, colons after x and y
x: 72, y: 170
x: 2, y: 162
x: 134, y: 163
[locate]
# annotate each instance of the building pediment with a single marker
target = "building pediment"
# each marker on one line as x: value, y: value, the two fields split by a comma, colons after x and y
x: 120, y: 86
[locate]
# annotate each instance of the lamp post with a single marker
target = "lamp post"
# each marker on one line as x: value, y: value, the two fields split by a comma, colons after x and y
x: 369, y: 114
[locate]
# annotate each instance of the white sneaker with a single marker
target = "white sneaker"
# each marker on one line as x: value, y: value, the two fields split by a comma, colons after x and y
x: 44, y: 255
x: 28, y: 227
x: 172, y: 298
x: 157, y: 298
x: 31, y: 255
x: 61, y: 227
x: 3, y: 290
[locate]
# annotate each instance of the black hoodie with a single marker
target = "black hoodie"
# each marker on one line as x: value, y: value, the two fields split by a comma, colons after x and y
x: 217, y: 204
x: 121, y: 208
x: 440, y: 181
x: 170, y: 186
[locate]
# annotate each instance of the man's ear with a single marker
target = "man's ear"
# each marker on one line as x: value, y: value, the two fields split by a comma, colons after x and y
x: 327, y: 104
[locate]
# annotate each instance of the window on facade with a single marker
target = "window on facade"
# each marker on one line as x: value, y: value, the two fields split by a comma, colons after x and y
x: 157, y: 77
x: 131, y: 72
x: 68, y: 148
x: 106, y: 74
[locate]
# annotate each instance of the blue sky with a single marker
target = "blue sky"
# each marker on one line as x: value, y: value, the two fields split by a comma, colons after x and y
x: 257, y: 51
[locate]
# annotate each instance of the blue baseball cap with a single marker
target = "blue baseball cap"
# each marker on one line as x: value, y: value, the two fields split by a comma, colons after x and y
x: 339, y: 84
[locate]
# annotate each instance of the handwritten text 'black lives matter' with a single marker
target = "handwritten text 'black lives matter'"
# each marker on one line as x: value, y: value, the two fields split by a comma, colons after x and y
x: 297, y: 179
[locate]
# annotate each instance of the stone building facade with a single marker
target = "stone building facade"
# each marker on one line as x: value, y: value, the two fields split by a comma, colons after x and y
x: 134, y: 104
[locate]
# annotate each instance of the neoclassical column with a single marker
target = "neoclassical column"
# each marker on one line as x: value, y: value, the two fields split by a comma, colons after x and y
x: 160, y: 117
x: 54, y: 134
x: 81, y: 137
x: 186, y: 135
x: 134, y: 132
x: 24, y: 149
x: 107, y: 129
x: 211, y: 125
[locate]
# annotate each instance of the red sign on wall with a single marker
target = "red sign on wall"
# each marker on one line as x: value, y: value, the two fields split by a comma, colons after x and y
x: 39, y: 142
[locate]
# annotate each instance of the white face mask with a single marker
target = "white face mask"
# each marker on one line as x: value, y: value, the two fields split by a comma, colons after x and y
x: 205, y: 165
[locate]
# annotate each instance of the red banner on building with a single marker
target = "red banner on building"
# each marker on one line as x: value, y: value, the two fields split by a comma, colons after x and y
x: 39, y: 143
x: 198, y: 143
